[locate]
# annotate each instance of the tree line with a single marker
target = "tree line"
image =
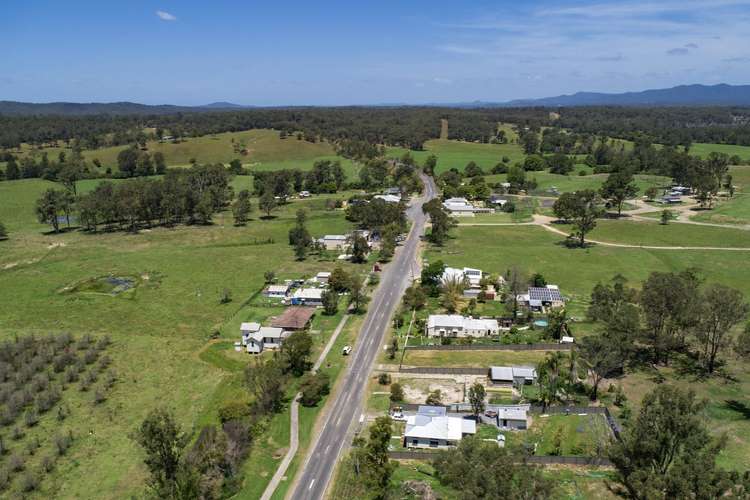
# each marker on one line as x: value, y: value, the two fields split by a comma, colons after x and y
x: 189, y: 196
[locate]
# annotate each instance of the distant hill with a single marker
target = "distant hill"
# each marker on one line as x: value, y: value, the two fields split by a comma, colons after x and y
x: 92, y: 108
x: 683, y: 95
x: 224, y: 105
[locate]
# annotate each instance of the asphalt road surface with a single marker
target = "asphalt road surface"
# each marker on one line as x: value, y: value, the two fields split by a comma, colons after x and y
x: 345, y: 409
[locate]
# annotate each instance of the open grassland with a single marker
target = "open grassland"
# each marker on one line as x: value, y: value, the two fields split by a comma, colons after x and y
x: 735, y: 210
x: 159, y: 330
x: 547, y: 182
x: 456, y: 154
x: 576, y: 435
x: 704, y: 149
x: 675, y: 234
x: 495, y: 248
x: 264, y: 151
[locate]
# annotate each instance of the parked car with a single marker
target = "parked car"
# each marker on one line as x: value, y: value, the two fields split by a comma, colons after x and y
x: 346, y: 350
x: 490, y: 414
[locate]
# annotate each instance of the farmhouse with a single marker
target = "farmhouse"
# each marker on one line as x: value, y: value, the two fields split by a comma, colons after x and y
x: 322, y: 277
x: 462, y: 207
x: 431, y: 427
x: 497, y: 200
x: 334, y: 241
x: 388, y: 198
x: 277, y: 291
x: 267, y: 337
x: 512, y: 375
x: 472, y: 276
x: 307, y: 297
x: 247, y: 329
x: 538, y: 298
x: 294, y: 318
x: 455, y: 325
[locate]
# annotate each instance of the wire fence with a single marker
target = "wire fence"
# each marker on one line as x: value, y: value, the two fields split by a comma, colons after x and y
x: 533, y: 459
x: 492, y: 347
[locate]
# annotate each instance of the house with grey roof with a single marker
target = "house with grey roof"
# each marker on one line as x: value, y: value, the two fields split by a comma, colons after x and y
x: 512, y: 375
x: 455, y: 325
x: 432, y: 427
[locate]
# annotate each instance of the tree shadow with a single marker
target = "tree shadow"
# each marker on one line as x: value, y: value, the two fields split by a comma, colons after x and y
x: 268, y: 217
x: 738, y: 407
x: 62, y: 230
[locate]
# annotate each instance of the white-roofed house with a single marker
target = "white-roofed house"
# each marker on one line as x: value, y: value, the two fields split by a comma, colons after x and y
x: 267, y: 337
x: 247, y: 329
x: 432, y: 427
x: 471, y: 275
x: 455, y: 325
x: 277, y: 291
x: 323, y: 277
x: 307, y: 297
x: 388, y: 198
x: 512, y: 416
x: 334, y: 241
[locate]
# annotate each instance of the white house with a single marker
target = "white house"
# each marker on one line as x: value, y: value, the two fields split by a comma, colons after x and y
x: 323, y: 277
x: 455, y: 325
x: 267, y: 337
x: 277, y: 291
x: 431, y: 427
x: 459, y: 207
x: 512, y: 375
x: 308, y: 297
x: 334, y: 241
x: 247, y: 329
x: 388, y: 198
x: 473, y: 276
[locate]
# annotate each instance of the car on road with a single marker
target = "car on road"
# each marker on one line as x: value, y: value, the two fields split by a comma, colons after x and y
x: 346, y: 350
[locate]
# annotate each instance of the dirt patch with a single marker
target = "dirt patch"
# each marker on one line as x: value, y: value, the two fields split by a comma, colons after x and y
x: 417, y: 390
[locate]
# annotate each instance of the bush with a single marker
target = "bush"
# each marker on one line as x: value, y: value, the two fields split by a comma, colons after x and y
x: 47, y: 463
x: 99, y: 396
x: 384, y: 379
x: 28, y: 482
x: 62, y: 443
x: 90, y: 356
x: 16, y: 463
x: 314, y: 387
x: 16, y: 434
x: 31, y: 418
x: 32, y: 445
x: 4, y: 479
x: 70, y: 375
x: 397, y: 393
x: 234, y: 410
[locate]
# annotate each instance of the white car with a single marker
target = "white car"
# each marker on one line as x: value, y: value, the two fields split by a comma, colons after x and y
x: 346, y: 350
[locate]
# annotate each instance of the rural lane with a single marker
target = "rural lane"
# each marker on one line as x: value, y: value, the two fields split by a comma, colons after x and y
x: 345, y: 409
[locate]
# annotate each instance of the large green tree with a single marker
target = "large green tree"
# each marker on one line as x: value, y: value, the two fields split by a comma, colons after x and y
x: 618, y: 187
x: 582, y: 209
x: 722, y: 308
x: 163, y: 442
x: 668, y: 451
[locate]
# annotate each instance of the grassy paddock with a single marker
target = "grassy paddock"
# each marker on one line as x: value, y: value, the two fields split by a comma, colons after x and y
x: 160, y: 332
x: 456, y: 154
x: 653, y: 233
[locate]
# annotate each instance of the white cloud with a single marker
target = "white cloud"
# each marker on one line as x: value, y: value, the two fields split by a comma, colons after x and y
x: 165, y: 16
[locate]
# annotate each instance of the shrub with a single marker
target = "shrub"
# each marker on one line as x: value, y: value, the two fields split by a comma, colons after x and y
x: 47, y: 463
x: 62, y: 361
x: 314, y: 387
x: 16, y: 433
x: 70, y: 375
x: 31, y: 418
x: 397, y: 393
x: 103, y: 343
x: 90, y: 356
x: 4, y: 479
x: 384, y: 379
x: 16, y: 463
x: 104, y: 362
x: 99, y: 396
x: 62, y: 443
x: 234, y: 410
x: 28, y: 482
x: 32, y: 445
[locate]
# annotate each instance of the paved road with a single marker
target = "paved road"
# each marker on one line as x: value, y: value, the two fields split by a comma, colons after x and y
x: 345, y: 409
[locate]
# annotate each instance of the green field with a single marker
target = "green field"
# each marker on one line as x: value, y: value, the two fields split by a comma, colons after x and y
x: 735, y: 210
x: 704, y: 149
x: 495, y: 248
x: 456, y: 154
x: 582, y: 435
x: 675, y: 234
x: 160, y: 331
x: 546, y: 181
x: 265, y: 151
x: 475, y: 359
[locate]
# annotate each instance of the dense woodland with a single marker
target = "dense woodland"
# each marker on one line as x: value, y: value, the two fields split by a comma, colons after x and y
x: 403, y: 126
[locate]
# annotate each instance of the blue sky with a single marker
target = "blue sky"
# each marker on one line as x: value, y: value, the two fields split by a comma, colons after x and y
x: 363, y: 52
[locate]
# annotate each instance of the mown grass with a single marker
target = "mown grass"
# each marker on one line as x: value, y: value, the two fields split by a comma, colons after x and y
x: 547, y: 182
x: 456, y: 154
x: 675, y: 234
x: 262, y: 146
x: 160, y: 334
x: 581, y: 435
x: 475, y: 359
x: 704, y: 149
x: 495, y: 248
